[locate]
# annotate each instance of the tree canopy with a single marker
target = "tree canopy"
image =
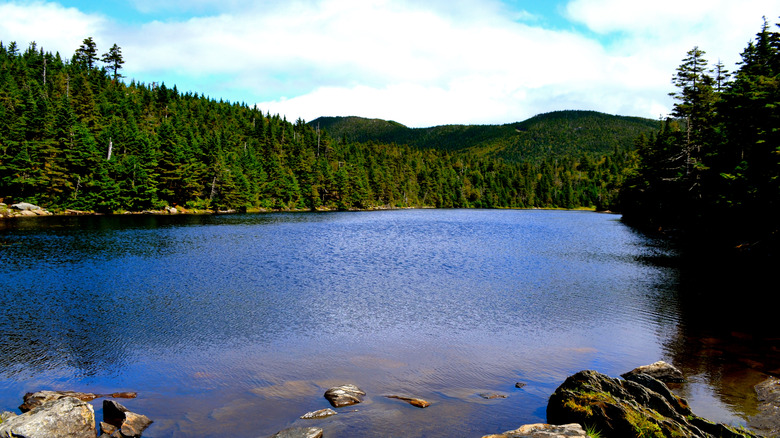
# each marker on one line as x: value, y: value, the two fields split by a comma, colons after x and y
x: 714, y: 168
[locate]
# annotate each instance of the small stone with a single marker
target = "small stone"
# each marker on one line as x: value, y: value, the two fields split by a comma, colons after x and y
x: 519, y: 385
x: 322, y: 413
x: 344, y: 395
x: 107, y: 429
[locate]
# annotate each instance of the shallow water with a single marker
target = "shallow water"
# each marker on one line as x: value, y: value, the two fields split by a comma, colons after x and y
x: 237, y: 324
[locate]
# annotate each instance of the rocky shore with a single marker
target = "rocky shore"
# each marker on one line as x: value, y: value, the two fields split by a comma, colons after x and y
x: 67, y: 414
x: 586, y: 404
x: 24, y: 209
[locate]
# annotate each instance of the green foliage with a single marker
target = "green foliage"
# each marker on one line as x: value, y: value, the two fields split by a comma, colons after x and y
x: 715, y: 167
x: 592, y: 431
x: 73, y: 136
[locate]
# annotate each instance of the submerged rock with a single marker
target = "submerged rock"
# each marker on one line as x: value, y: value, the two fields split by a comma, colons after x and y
x: 65, y: 417
x: 420, y: 403
x: 491, y: 395
x: 638, y: 406
x: 322, y: 413
x: 299, y: 432
x: 543, y: 431
x: 344, y: 395
x: 660, y: 370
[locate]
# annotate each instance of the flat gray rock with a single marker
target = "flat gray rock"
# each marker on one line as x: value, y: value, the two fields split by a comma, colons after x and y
x: 25, y: 206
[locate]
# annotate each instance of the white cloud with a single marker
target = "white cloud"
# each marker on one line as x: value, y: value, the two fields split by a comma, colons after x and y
x: 419, y: 63
x: 51, y: 26
x: 720, y: 27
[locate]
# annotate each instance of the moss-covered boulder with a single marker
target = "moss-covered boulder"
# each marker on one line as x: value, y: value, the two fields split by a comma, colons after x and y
x: 640, y: 406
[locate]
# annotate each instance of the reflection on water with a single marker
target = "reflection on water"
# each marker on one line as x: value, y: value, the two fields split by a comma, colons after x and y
x: 729, y: 338
x: 239, y: 323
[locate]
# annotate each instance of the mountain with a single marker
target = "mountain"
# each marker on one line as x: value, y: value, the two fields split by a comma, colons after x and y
x: 556, y: 133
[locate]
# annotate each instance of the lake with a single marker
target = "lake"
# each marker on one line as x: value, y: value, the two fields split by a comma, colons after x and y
x: 237, y: 324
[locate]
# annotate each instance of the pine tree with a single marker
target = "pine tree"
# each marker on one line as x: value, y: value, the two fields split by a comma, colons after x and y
x: 86, y: 54
x: 114, y: 60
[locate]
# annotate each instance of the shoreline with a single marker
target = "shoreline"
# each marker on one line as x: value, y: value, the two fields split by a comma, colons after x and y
x: 7, y: 212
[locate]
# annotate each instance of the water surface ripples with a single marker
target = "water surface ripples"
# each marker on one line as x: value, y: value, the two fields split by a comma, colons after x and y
x: 215, y: 318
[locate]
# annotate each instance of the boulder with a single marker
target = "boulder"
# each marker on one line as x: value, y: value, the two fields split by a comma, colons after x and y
x: 322, y: 413
x: 344, y: 395
x: 66, y: 417
x: 418, y: 402
x: 638, y: 406
x: 543, y: 431
x: 25, y: 206
x: 660, y: 370
x: 299, y: 432
x: 129, y: 424
x: 767, y: 421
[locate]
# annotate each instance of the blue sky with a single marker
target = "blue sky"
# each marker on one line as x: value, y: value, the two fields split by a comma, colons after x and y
x: 421, y: 63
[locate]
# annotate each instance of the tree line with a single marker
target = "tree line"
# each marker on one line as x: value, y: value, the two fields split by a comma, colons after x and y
x: 714, y: 167
x: 74, y: 135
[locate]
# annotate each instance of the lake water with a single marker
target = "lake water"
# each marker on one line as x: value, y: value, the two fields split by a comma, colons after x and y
x: 235, y: 325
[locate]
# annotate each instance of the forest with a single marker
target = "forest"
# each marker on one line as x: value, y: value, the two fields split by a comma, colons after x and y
x: 76, y: 135
x: 713, y: 170
x: 555, y: 134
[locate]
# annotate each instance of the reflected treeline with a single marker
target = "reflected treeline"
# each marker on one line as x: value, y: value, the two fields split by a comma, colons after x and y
x: 728, y: 333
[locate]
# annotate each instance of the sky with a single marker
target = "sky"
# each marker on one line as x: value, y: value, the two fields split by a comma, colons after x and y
x: 420, y: 63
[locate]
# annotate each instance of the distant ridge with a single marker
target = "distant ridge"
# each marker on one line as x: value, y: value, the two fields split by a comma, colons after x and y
x: 554, y: 133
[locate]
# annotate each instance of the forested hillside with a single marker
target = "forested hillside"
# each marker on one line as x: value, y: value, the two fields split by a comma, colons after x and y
x: 75, y: 135
x: 714, y: 169
x: 559, y: 133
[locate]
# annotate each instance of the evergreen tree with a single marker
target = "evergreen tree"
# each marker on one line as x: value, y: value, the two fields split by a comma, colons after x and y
x: 114, y: 60
x: 86, y: 54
